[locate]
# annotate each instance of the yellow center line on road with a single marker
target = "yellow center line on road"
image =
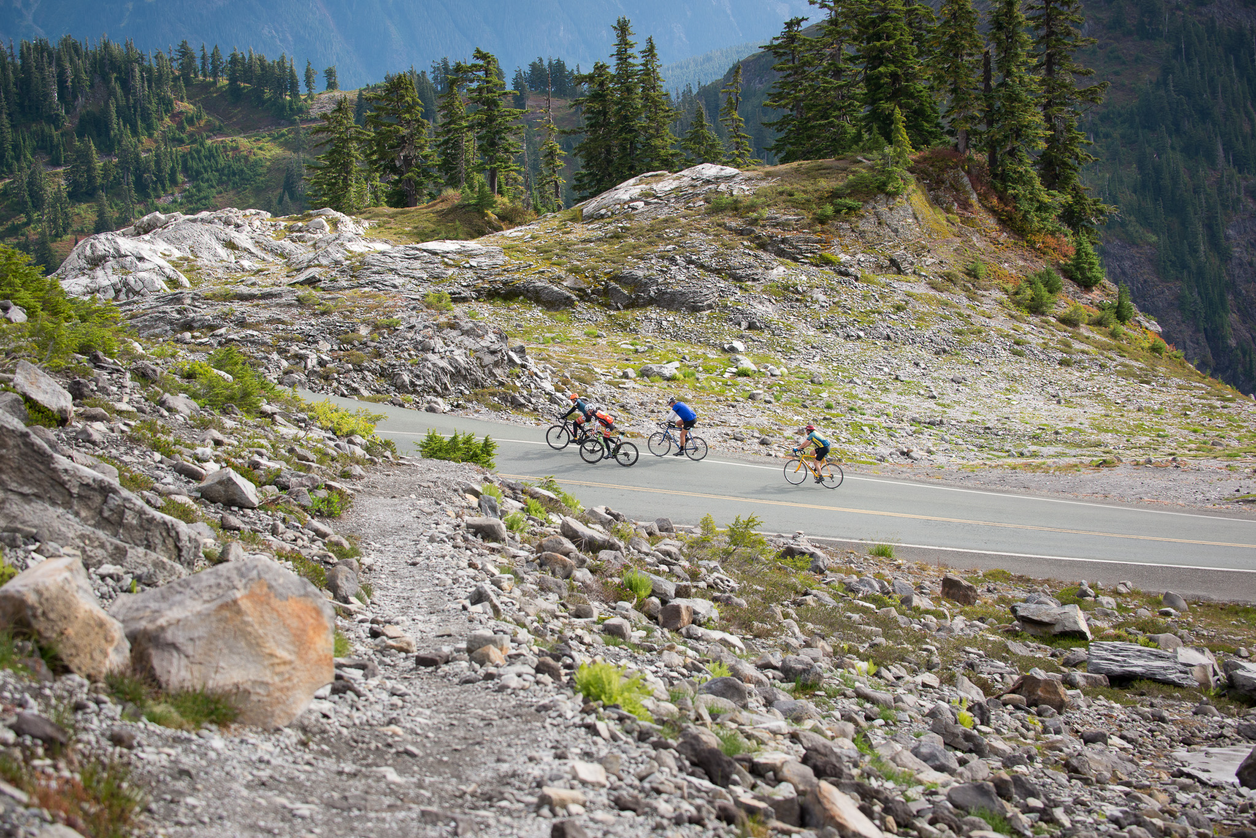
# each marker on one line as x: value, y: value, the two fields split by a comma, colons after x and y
x: 882, y: 514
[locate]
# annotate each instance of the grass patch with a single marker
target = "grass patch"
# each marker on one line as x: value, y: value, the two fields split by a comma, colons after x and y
x: 609, y: 685
x: 305, y: 568
x: 181, y: 709
x: 340, y: 645
x: 884, y: 551
x: 638, y: 583
x: 733, y: 743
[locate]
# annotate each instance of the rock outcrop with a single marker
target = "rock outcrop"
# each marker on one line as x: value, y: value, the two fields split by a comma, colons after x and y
x: 250, y: 630
x: 1183, y: 667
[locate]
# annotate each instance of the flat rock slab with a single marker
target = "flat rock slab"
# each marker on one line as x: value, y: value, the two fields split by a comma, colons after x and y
x: 1183, y: 667
x: 1041, y: 619
x: 43, y: 390
x: 250, y: 630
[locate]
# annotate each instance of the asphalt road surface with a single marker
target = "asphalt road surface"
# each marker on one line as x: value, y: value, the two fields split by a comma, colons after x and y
x: 1206, y: 554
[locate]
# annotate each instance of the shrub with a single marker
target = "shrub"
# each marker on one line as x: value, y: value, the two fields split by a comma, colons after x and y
x: 638, y: 583
x: 516, y: 522
x: 1073, y: 316
x: 719, y: 669
x: 743, y: 534
x: 459, y: 448
x: 340, y: 645
x: 826, y: 259
x: 1084, y: 267
x: 567, y: 499
x: 884, y: 551
x: 305, y: 568
x: 241, y: 387
x: 1036, y: 293
x: 343, y: 422
x: 732, y: 743
x: 331, y: 505
x: 606, y: 683
x: 977, y: 270
x: 438, y: 301
x: 533, y: 507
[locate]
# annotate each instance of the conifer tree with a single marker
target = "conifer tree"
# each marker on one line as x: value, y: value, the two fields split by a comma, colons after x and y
x: 215, y: 64
x: 550, y: 184
x: 597, y: 148
x: 957, y: 48
x: 1124, y: 308
x: 657, y: 115
x: 85, y: 170
x: 1014, y: 123
x: 739, y: 152
x: 204, y: 62
x: 455, y: 144
x: 626, y: 106
x: 399, y: 147
x: 1084, y: 267
x: 798, y: 59
x: 835, y: 106
x: 495, y: 123
x: 701, y: 144
x: 311, y: 79
x: 185, y: 61
x: 329, y: 75
x: 104, y: 218
x: 339, y: 178
x: 893, y: 76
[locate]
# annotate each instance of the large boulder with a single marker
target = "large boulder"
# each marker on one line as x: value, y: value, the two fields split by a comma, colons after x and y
x: 229, y: 489
x: 70, y: 504
x: 1182, y: 667
x: 44, y: 390
x: 1038, y: 688
x: 54, y: 602
x: 959, y: 590
x: 1247, y: 771
x: 587, y: 538
x: 832, y: 808
x: 1041, y: 619
x: 249, y: 630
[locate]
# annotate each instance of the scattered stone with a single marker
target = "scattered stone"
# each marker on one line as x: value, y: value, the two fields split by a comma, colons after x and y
x: 229, y: 489
x: 42, y: 389
x: 1174, y: 601
x: 958, y: 590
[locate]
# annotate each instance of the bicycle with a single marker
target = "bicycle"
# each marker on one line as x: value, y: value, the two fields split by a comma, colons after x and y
x: 560, y: 435
x: 661, y: 443
x: 623, y: 452
x: 799, y: 466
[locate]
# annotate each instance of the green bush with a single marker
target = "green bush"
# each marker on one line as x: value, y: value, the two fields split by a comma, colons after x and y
x: 1073, y: 316
x: 533, y: 507
x: 516, y: 522
x: 340, y: 645
x: 608, y: 684
x: 343, y: 422
x: 742, y: 534
x: 245, y: 389
x: 331, y: 505
x: 305, y: 568
x: 459, y: 448
x: 567, y: 499
x: 1084, y: 267
x: 639, y: 583
x: 884, y: 551
x: 1036, y: 293
x: 438, y: 301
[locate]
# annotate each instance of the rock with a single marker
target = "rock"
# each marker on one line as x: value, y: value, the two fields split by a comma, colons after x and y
x: 567, y: 829
x: 675, y: 616
x: 12, y: 404
x: 976, y: 797
x: 1240, y: 674
x: 488, y: 529
x: 557, y: 564
x: 935, y: 756
x: 957, y: 590
x: 1174, y: 601
x: 589, y: 773
x: 54, y: 601
x: 1047, y: 620
x: 227, y: 488
x: 732, y: 689
x: 343, y: 584
x: 1085, y: 680
x: 250, y: 630
x: 832, y: 808
x: 618, y: 627
x: 70, y: 504
x: 488, y: 656
x: 1182, y: 667
x: 588, y: 538
x: 38, y: 727
x: 1038, y: 689
x: 557, y: 798
x: 1247, y: 771
x: 1166, y: 641
x: 178, y: 404
x: 42, y: 389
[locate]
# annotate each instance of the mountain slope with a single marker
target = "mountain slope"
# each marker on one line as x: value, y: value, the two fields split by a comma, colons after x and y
x: 367, y: 39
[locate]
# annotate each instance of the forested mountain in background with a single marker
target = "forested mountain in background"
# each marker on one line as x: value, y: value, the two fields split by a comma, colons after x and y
x: 366, y: 39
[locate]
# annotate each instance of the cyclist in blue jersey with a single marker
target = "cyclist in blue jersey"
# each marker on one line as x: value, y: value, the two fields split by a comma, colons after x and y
x: 581, y: 407
x: 683, y: 417
x: 821, y: 444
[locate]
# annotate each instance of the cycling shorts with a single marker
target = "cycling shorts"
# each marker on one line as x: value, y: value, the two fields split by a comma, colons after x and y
x: 688, y: 423
x: 821, y: 453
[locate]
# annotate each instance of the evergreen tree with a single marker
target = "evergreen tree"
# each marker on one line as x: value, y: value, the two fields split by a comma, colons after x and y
x: 1084, y: 267
x: 339, y: 178
x: 701, y: 144
x: 550, y: 185
x: 494, y: 123
x: 597, y: 146
x: 730, y: 117
x: 293, y: 191
x: 329, y: 75
x: 1124, y: 308
x: 215, y: 65
x: 957, y: 48
x: 1014, y: 123
x: 657, y: 115
x: 311, y: 79
x: 44, y: 257
x: 798, y: 59
x: 626, y: 106
x: 835, y: 106
x: 104, y: 218
x: 8, y: 160
x: 204, y: 62
x: 56, y: 211
x: 85, y: 170
x: 399, y: 147
x: 893, y: 77
x: 185, y: 60
x: 455, y: 144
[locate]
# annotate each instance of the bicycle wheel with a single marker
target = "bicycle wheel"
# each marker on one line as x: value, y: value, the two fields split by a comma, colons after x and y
x: 695, y: 448
x: 659, y: 443
x: 831, y: 475
x: 591, y: 450
x: 558, y: 437
x: 795, y: 471
x: 626, y: 454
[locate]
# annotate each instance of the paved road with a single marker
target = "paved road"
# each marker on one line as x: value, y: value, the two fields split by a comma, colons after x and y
x: 1209, y: 554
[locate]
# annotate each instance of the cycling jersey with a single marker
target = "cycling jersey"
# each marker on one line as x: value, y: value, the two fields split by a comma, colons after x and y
x: 820, y: 442
x: 586, y: 411
x: 684, y: 412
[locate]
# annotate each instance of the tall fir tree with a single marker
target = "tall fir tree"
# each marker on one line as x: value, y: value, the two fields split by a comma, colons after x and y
x: 399, y: 146
x: 957, y: 48
x: 104, y: 217
x: 626, y: 105
x: 550, y: 183
x: 329, y: 76
x: 657, y: 115
x: 894, y: 77
x: 215, y: 64
x: 311, y: 79
x: 339, y: 177
x: 835, y: 106
x: 84, y: 170
x: 700, y: 144
x: 455, y: 144
x: 1015, y: 131
x: 798, y: 59
x: 1057, y: 38
x: 597, y: 146
x: 739, y: 150
x: 496, y: 124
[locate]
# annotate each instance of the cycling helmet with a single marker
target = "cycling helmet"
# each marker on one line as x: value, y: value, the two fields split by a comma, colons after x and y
x: 671, y: 400
x: 573, y: 397
x: 809, y: 428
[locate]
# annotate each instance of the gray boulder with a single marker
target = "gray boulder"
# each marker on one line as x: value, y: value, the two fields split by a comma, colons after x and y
x: 229, y: 489
x: 936, y: 757
x: 342, y: 582
x: 1183, y: 667
x: 42, y: 389
x: 1247, y: 771
x: 1174, y: 601
x: 975, y: 797
x: 958, y: 590
x: 250, y: 630
x: 488, y: 529
x: 587, y: 538
x: 12, y: 404
x: 1048, y: 620
x: 729, y: 688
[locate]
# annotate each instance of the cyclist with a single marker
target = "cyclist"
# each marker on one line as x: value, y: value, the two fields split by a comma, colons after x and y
x: 821, y: 444
x: 584, y: 410
x: 683, y: 417
x: 608, y: 427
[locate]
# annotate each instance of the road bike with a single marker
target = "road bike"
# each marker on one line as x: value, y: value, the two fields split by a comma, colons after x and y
x: 565, y: 432
x: 664, y: 442
x: 800, y: 465
x: 622, y: 452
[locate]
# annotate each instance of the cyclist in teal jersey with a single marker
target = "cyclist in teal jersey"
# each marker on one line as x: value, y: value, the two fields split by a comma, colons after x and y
x: 821, y: 444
